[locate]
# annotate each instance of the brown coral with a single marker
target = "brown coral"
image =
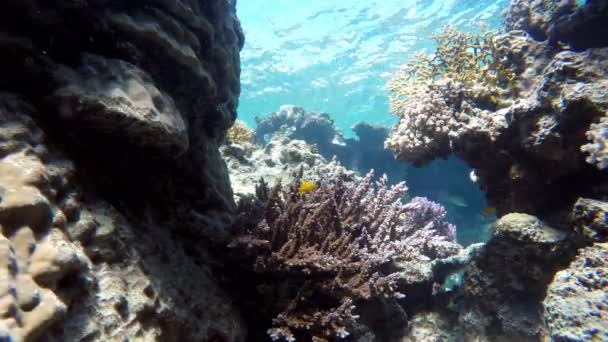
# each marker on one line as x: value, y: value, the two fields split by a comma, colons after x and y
x: 240, y: 134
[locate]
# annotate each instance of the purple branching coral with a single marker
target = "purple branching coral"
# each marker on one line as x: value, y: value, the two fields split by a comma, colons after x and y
x: 335, y: 246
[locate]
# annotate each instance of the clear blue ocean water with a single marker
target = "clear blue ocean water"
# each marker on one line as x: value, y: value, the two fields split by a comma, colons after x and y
x: 336, y: 56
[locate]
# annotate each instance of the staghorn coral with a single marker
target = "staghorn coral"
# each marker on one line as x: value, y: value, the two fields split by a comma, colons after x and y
x: 437, y: 96
x: 597, y: 148
x: 240, y: 134
x: 335, y: 246
x: 468, y: 58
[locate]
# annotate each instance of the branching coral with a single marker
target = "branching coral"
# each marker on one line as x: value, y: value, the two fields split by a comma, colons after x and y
x: 597, y: 148
x: 468, y: 58
x: 240, y: 134
x: 439, y: 97
x: 335, y: 245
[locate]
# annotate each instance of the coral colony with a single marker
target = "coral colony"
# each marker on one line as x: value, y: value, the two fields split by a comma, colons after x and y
x: 336, y: 241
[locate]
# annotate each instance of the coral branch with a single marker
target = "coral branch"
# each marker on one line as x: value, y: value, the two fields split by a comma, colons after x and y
x: 335, y: 243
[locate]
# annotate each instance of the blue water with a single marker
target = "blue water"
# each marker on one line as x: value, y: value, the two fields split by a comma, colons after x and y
x: 336, y: 57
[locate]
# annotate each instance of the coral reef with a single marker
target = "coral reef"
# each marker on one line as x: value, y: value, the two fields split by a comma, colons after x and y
x: 537, y: 17
x: 318, y: 129
x: 74, y: 268
x: 535, y: 139
x: 111, y: 182
x: 333, y: 248
x: 538, y: 112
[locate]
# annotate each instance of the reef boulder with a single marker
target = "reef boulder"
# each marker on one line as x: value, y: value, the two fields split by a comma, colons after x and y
x: 506, y: 281
x: 112, y: 187
x: 576, y: 305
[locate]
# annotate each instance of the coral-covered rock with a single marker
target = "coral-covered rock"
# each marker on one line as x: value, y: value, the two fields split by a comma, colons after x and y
x: 590, y: 218
x: 274, y: 161
x: 73, y: 268
x: 359, y: 154
x: 537, y: 16
x: 523, y: 135
x: 576, y: 306
x: 583, y: 29
x: 111, y: 181
x: 506, y: 281
x: 134, y: 119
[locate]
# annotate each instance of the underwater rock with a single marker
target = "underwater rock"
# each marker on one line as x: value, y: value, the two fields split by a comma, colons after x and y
x: 576, y: 306
x: 583, y: 29
x: 73, y: 267
x: 118, y: 98
x: 432, y: 327
x: 537, y: 17
x: 134, y: 119
x: 112, y: 187
x: 362, y: 154
x: 506, y: 281
x: 590, y: 218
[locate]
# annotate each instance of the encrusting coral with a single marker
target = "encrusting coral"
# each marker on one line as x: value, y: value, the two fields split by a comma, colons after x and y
x: 335, y: 246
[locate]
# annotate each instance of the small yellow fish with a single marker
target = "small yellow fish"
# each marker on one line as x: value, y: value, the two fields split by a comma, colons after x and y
x: 489, y: 211
x: 307, y: 187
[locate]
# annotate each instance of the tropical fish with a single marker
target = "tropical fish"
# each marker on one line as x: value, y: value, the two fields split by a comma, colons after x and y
x: 452, y: 199
x: 489, y: 211
x: 307, y: 187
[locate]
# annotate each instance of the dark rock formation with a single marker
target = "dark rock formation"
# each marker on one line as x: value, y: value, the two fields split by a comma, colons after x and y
x: 584, y: 28
x: 506, y: 282
x: 537, y: 17
x: 139, y: 93
x: 112, y: 187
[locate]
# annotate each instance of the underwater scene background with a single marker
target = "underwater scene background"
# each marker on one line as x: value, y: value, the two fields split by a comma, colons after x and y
x: 337, y: 58
x: 199, y: 170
